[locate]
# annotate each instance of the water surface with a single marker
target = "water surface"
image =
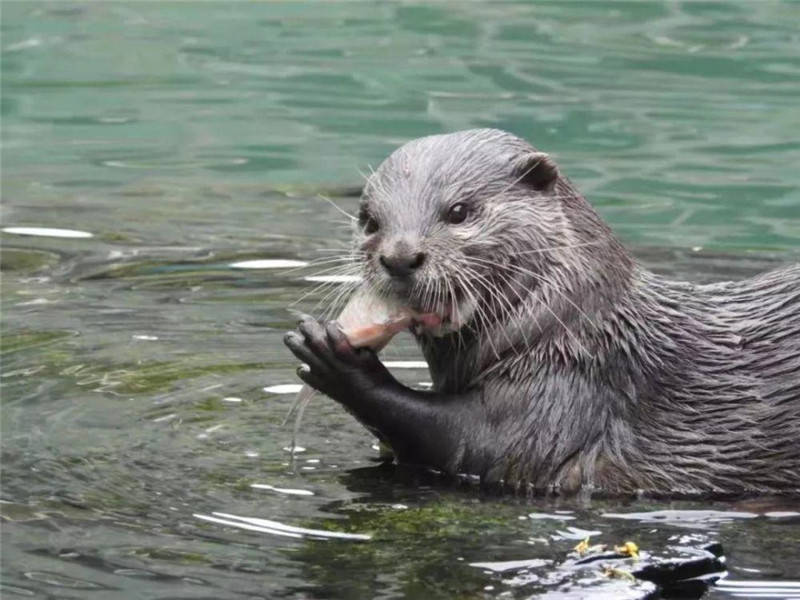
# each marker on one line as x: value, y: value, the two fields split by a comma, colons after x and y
x: 171, y: 144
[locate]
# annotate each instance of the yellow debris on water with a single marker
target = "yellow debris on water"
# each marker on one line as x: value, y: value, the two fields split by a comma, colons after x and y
x: 618, y: 573
x: 582, y: 547
x: 628, y: 549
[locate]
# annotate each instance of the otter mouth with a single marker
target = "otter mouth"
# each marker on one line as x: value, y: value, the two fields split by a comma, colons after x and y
x: 437, y: 316
x: 446, y: 316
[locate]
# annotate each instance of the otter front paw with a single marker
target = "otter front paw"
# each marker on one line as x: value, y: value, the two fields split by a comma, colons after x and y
x: 332, y: 365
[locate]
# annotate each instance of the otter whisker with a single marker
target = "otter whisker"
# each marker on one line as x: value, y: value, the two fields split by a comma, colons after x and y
x: 472, y: 299
x: 330, y: 295
x: 543, y: 302
x: 512, y: 283
x: 374, y: 183
x: 331, y: 266
x: 483, y: 321
x: 339, y: 300
x: 337, y: 207
x: 341, y: 270
x: 452, y: 294
x: 505, y: 279
x: 320, y: 262
x: 314, y: 290
x: 451, y: 291
x: 552, y: 286
x: 335, y: 298
x: 512, y: 184
x: 342, y: 250
x: 554, y: 248
x: 567, y: 329
x: 339, y: 289
x: 509, y: 312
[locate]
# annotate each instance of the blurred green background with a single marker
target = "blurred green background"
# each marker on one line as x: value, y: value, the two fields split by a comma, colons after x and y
x: 679, y: 120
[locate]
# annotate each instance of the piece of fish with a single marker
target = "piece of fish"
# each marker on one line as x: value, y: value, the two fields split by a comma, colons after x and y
x: 368, y: 322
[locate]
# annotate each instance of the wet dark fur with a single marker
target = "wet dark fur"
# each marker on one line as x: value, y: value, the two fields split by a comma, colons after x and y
x: 579, y: 369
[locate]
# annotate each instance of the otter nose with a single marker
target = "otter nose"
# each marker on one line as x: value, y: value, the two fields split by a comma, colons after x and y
x: 402, y: 264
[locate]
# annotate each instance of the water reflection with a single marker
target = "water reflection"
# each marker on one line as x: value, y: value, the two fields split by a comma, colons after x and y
x: 559, y: 516
x: 268, y: 263
x: 47, y: 232
x: 333, y: 278
x: 783, y: 590
x: 284, y: 388
x: 511, y: 565
x: 289, y: 491
x: 277, y: 528
x: 684, y: 518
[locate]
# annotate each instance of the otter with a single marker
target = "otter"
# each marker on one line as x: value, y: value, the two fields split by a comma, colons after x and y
x: 561, y: 364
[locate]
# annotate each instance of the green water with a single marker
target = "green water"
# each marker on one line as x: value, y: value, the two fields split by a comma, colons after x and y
x: 189, y: 137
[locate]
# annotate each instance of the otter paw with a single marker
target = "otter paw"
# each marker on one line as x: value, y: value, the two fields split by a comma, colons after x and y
x: 334, y: 366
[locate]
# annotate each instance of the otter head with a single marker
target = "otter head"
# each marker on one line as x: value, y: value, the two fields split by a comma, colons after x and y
x: 451, y: 224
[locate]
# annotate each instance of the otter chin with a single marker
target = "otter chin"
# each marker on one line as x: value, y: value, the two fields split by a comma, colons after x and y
x: 558, y: 362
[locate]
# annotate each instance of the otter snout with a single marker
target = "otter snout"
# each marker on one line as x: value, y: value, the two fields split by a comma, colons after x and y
x: 402, y: 263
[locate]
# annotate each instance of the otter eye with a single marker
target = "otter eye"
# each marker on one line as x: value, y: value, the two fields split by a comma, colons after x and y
x: 367, y: 221
x: 457, y: 213
x: 371, y: 226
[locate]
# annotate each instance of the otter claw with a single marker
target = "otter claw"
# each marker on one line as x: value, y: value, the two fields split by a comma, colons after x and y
x: 314, y: 334
x: 305, y: 352
x: 338, y: 340
x: 303, y: 317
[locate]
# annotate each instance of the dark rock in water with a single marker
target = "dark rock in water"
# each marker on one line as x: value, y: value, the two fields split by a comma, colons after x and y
x: 672, y: 576
x: 686, y: 578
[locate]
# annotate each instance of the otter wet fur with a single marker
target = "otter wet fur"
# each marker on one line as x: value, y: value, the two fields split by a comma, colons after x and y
x: 562, y: 365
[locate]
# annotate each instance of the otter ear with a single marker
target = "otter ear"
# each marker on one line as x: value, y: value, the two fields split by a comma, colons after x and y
x: 537, y: 170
